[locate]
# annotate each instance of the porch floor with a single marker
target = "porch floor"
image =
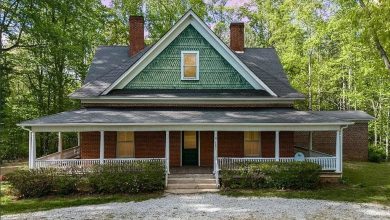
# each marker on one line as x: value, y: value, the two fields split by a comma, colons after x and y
x: 191, y: 170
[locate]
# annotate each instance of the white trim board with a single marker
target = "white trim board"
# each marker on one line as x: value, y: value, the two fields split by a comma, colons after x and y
x: 189, y: 18
x: 189, y: 127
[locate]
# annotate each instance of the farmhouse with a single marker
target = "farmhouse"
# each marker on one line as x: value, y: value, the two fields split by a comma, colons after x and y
x: 190, y: 101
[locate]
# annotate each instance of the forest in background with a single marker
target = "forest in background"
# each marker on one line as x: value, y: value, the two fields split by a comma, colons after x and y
x: 336, y: 52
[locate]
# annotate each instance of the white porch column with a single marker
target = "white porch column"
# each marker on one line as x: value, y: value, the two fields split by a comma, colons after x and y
x: 338, y: 152
x: 167, y: 151
x: 277, y: 146
x: 101, y: 147
x: 78, y: 139
x: 310, y: 142
x: 30, y: 153
x: 33, y: 150
x: 215, y: 152
x: 59, y: 142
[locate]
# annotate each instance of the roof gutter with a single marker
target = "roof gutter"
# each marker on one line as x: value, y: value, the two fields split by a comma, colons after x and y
x: 200, y: 124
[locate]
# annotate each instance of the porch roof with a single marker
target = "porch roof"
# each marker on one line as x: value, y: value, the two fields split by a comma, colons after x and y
x: 202, y: 118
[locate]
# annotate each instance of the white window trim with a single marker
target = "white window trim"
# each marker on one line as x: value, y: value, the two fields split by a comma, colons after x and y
x: 182, y: 65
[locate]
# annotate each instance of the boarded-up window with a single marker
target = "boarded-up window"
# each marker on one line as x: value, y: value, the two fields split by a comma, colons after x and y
x: 125, y: 144
x: 189, y: 140
x: 190, y: 65
x: 252, y: 147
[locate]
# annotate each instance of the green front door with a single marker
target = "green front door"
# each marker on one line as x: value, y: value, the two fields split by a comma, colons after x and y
x: 190, y: 148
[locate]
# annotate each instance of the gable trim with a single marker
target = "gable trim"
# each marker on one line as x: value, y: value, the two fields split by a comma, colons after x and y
x: 201, y: 27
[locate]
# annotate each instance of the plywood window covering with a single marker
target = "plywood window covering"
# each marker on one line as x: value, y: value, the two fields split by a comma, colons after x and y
x: 190, y: 65
x: 189, y: 139
x: 252, y: 144
x: 125, y: 144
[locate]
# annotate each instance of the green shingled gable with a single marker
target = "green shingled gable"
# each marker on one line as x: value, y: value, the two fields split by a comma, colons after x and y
x: 164, y: 71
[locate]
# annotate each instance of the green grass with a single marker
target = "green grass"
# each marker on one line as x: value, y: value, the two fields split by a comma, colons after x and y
x: 11, y: 205
x: 363, y: 182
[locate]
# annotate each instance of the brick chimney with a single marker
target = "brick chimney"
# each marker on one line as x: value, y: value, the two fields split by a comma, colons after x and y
x: 136, y: 34
x: 237, y: 36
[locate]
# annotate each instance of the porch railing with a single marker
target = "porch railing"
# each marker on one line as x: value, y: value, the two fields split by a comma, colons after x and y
x: 231, y: 163
x: 65, y: 163
x: 69, y: 153
x: 311, y: 153
x: 85, y: 163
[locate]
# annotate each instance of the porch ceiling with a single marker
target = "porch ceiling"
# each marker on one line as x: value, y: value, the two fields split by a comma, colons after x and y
x: 91, y: 119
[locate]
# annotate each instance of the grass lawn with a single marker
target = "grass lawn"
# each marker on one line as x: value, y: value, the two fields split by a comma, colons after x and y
x: 11, y: 205
x: 363, y: 182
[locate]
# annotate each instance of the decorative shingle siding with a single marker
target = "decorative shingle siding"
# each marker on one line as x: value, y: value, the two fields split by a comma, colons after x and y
x: 164, y: 72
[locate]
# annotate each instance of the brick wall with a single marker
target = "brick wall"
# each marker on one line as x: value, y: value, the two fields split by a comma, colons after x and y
x: 355, y: 141
x: 286, y: 144
x: 355, y: 138
x: 237, y: 36
x: 323, y: 141
x: 268, y: 144
x: 230, y: 144
x: 149, y: 144
x: 136, y: 34
x: 174, y: 148
x: 206, y: 148
x: 90, y: 144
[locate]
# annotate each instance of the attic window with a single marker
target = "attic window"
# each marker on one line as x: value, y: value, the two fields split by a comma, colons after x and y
x: 190, y: 65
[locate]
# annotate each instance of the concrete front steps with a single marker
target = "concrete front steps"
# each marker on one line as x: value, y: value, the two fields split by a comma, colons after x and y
x: 191, y: 183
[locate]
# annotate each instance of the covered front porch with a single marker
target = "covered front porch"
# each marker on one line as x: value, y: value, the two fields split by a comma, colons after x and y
x: 218, y: 139
x: 214, y: 149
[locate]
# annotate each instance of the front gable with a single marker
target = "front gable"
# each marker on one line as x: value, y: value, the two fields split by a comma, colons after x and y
x: 164, y: 71
x: 190, y: 18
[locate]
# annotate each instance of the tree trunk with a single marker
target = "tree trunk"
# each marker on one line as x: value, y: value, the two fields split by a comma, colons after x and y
x: 378, y: 44
x: 309, y: 82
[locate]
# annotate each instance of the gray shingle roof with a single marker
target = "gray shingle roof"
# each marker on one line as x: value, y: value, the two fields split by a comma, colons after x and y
x: 347, y: 115
x: 183, y: 116
x: 265, y: 63
x: 106, y: 59
x: 105, y: 75
x: 110, y: 63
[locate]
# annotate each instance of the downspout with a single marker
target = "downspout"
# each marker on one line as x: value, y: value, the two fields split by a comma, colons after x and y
x: 341, y: 147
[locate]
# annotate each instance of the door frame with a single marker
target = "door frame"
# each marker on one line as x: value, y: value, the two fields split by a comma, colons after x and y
x: 182, y: 145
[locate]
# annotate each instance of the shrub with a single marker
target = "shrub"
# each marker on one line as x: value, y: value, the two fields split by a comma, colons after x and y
x: 65, y: 184
x: 128, y: 178
x: 376, y: 154
x: 32, y: 183
x: 292, y: 175
x: 139, y: 177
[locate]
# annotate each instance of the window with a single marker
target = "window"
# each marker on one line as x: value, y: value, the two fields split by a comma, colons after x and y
x: 125, y: 144
x: 189, y: 139
x: 190, y: 65
x: 252, y: 143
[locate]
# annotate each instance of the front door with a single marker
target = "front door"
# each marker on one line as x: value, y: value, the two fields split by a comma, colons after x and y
x: 190, y: 148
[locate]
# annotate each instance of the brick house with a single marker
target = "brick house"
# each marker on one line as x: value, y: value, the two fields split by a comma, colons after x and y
x: 191, y: 100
